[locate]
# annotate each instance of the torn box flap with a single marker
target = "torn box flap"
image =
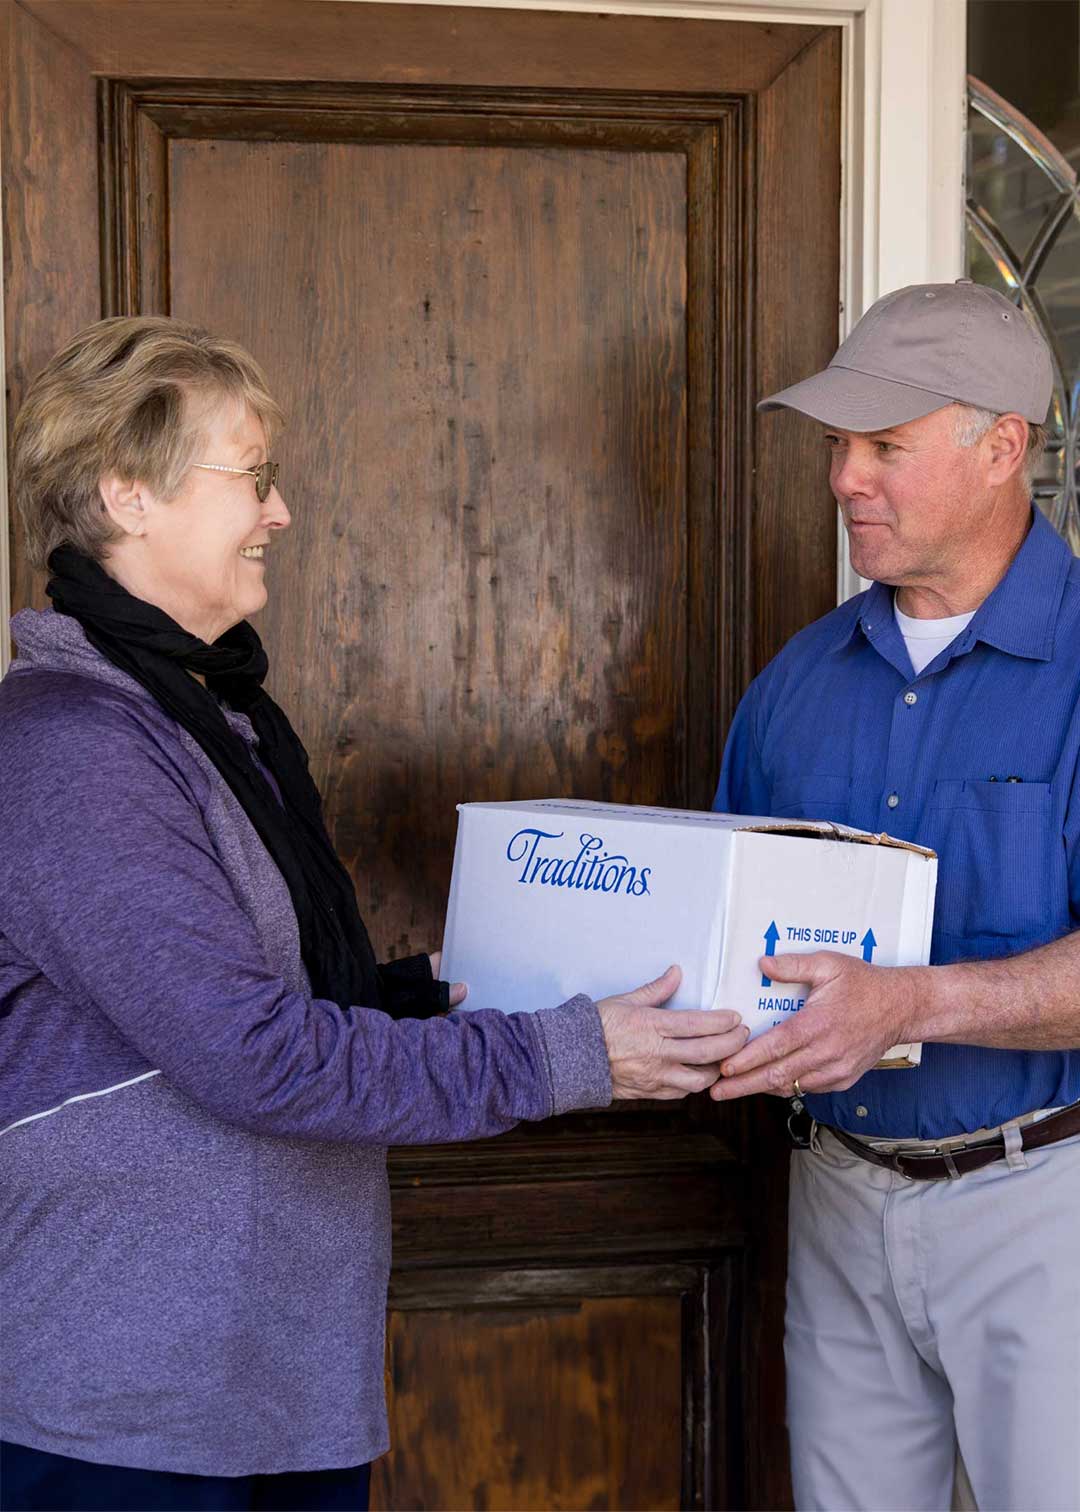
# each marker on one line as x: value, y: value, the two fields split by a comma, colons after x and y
x: 825, y: 829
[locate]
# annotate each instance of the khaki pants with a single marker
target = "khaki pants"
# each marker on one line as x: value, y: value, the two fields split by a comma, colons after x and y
x: 927, y: 1316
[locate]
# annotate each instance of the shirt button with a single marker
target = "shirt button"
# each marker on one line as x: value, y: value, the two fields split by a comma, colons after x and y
x: 893, y: 800
x: 911, y: 698
x: 861, y: 1111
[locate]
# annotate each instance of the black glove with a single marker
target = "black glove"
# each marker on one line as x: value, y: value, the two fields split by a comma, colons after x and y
x: 410, y: 991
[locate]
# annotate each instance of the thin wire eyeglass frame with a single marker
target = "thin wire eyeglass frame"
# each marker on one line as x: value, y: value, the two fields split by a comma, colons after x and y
x: 265, y: 475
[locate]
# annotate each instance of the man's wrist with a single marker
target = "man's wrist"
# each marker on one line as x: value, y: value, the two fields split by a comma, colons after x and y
x: 931, y: 1003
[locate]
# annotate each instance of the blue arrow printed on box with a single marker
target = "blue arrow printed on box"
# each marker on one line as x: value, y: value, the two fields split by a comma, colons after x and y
x: 772, y: 934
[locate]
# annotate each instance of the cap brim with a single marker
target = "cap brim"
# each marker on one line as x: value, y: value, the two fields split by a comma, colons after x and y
x: 856, y: 401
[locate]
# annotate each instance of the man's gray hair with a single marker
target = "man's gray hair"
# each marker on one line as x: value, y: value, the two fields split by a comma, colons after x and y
x: 972, y: 425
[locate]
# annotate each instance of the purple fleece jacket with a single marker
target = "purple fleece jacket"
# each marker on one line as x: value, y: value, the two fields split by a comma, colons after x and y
x: 194, y: 1209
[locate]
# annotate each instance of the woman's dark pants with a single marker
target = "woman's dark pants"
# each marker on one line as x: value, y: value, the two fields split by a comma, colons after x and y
x: 32, y: 1480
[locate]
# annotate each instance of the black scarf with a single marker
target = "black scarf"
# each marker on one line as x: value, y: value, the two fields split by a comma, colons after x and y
x: 145, y: 643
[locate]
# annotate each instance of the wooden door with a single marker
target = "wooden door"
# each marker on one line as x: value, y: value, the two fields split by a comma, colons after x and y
x: 517, y: 279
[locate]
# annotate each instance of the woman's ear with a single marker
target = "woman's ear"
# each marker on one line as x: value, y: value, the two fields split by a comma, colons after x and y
x: 124, y: 503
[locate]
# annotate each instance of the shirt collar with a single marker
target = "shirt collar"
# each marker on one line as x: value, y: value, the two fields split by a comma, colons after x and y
x: 1018, y: 617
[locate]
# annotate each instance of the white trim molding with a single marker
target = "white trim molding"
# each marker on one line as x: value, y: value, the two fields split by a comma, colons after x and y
x: 902, y: 201
x: 905, y: 74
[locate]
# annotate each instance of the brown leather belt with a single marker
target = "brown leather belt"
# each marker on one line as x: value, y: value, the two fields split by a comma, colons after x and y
x: 945, y: 1165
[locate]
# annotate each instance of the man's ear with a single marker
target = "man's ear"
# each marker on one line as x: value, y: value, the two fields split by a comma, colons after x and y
x: 125, y: 503
x: 1006, y: 442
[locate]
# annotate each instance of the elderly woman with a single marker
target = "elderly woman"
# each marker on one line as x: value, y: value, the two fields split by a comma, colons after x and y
x: 202, y: 1062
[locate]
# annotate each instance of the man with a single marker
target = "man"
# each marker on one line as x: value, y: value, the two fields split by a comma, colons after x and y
x: 934, y: 1277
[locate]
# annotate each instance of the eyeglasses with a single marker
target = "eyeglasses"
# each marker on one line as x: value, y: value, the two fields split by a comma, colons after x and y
x: 265, y: 475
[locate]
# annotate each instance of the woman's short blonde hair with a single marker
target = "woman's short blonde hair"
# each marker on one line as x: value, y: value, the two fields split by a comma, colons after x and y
x: 125, y: 396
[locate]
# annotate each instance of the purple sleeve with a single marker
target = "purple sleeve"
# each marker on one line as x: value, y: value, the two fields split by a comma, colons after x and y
x: 109, y: 882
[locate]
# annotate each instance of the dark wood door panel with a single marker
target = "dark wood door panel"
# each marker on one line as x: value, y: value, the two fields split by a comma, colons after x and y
x: 672, y: 1213
x: 483, y: 354
x: 496, y: 499
x: 794, y: 547
x: 620, y: 1386
x: 574, y: 1404
x: 51, y: 232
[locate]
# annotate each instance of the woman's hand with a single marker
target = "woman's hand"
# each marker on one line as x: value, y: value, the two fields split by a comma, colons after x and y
x: 665, y: 1052
x: 458, y: 990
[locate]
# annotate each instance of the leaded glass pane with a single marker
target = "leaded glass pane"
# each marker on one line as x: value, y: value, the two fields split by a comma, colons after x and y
x: 1050, y: 478
x: 1008, y: 185
x: 1058, y: 288
x: 1056, y: 421
x: 985, y: 268
x: 1023, y: 238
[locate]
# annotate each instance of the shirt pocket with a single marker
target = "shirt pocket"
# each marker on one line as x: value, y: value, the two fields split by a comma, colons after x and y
x: 996, y: 847
x: 812, y: 796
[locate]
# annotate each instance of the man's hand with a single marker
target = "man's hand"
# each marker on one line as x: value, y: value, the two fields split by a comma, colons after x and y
x: 458, y: 990
x: 665, y: 1052
x: 853, y: 1014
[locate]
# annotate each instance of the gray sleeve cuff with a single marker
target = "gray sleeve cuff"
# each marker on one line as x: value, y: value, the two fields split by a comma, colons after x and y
x: 576, y: 1053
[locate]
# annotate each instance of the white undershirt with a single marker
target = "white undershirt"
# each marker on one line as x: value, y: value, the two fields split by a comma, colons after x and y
x: 924, y: 638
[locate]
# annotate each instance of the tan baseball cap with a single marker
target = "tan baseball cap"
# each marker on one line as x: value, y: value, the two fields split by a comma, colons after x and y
x: 923, y: 347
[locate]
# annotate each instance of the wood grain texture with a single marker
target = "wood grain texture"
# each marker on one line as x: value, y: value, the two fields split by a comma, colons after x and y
x: 50, y: 210
x: 413, y: 1290
x: 663, y: 1214
x: 484, y: 591
x: 319, y: 39
x: 709, y: 1296
x: 620, y: 1143
x: 796, y: 333
x: 559, y: 1406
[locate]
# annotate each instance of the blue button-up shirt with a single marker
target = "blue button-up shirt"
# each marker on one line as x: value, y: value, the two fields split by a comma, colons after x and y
x: 830, y: 730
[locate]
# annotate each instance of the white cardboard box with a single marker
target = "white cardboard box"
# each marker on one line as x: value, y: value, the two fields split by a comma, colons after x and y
x: 558, y: 896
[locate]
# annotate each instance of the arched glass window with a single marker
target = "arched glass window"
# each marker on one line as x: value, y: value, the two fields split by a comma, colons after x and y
x: 1023, y: 238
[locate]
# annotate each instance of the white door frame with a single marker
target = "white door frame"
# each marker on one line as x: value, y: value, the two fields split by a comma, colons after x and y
x: 902, y: 148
